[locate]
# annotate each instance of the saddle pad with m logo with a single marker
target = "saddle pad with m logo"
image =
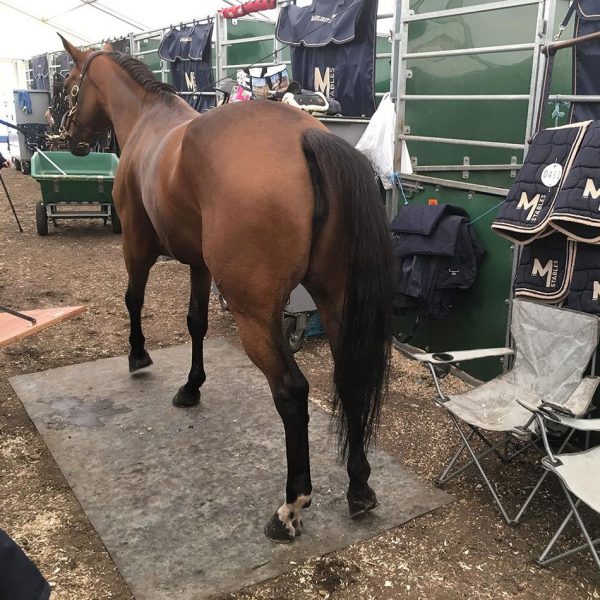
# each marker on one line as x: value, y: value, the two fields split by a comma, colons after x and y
x: 526, y: 212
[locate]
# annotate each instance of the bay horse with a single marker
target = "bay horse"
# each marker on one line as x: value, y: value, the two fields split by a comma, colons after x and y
x: 261, y: 197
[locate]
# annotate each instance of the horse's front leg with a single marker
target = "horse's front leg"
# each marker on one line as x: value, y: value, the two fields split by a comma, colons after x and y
x: 134, y: 300
x: 197, y: 321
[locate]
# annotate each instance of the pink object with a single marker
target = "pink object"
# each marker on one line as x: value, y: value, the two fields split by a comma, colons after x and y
x: 233, y: 12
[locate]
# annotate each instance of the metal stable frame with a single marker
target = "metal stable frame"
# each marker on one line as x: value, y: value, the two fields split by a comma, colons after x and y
x: 221, y: 43
x: 403, y: 17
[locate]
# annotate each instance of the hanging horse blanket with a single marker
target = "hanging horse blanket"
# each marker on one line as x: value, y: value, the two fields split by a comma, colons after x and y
x: 586, y: 61
x: 576, y: 211
x: 63, y: 62
x: 558, y: 187
x: 39, y: 72
x: 546, y: 268
x: 584, y: 293
x: 189, y: 52
x: 333, y: 50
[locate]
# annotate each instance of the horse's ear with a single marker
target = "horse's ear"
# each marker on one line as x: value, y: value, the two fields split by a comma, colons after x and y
x: 76, y: 54
x: 107, y: 47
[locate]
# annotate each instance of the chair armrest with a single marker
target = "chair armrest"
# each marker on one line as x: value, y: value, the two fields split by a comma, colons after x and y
x: 581, y: 424
x: 554, y: 414
x: 440, y: 358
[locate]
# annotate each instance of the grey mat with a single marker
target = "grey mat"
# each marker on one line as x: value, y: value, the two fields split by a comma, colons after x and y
x: 180, y: 496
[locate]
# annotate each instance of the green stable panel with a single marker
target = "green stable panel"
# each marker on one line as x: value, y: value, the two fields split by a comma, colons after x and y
x: 479, y: 316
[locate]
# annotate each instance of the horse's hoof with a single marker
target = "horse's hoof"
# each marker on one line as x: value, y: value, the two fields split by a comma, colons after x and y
x: 184, y: 398
x: 139, y: 362
x: 298, y: 525
x: 277, y: 531
x: 359, y: 506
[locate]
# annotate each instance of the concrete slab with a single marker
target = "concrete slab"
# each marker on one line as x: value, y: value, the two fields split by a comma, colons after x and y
x: 180, y: 496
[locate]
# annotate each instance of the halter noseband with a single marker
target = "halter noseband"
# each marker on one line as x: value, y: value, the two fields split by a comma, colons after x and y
x: 69, y: 117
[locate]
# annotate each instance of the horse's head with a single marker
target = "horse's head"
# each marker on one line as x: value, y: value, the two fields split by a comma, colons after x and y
x: 86, y: 118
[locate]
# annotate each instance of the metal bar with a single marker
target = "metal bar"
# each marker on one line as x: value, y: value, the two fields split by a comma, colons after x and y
x: 384, y: 55
x: 196, y: 93
x: 458, y: 185
x: 435, y: 168
x: 51, y: 162
x: 467, y: 466
x: 258, y: 38
x: 144, y: 52
x: 552, y: 48
x: 16, y: 313
x: 467, y: 51
x: 571, y: 98
x: 398, y: 78
x: 343, y: 120
x: 454, y: 12
x: 476, y: 97
x: 246, y: 65
x: 10, y: 203
x: 221, y: 50
x: 534, y: 491
x: 460, y: 142
x: 480, y: 469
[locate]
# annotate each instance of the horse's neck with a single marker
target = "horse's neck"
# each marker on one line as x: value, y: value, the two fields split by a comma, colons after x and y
x: 129, y: 106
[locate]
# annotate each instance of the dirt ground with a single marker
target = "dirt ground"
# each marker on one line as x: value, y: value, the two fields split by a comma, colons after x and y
x: 460, y: 551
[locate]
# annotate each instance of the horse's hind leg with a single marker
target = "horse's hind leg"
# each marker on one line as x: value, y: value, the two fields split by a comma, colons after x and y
x: 197, y: 321
x: 138, y: 270
x: 262, y: 338
x: 361, y: 498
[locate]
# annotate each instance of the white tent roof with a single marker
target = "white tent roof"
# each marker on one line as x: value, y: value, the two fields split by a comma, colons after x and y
x: 29, y: 28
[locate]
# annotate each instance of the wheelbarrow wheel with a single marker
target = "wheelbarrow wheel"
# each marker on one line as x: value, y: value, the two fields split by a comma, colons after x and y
x: 41, y: 219
x: 115, y: 221
x: 294, y: 340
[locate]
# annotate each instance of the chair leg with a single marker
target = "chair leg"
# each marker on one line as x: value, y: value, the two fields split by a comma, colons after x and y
x: 481, y: 471
x: 542, y: 561
x: 534, y: 491
x: 444, y: 478
x: 441, y: 478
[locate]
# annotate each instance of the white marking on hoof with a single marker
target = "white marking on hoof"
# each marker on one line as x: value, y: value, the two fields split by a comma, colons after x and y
x: 289, y: 514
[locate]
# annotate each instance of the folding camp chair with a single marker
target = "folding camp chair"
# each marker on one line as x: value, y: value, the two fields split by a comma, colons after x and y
x: 577, y: 475
x: 553, y: 347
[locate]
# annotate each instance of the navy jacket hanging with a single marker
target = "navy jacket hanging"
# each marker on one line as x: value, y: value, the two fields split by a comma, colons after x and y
x: 189, y: 51
x: 435, y: 253
x: 586, y: 61
x: 333, y: 50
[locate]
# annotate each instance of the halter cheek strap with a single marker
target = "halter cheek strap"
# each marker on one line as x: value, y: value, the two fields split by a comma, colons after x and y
x: 75, y: 90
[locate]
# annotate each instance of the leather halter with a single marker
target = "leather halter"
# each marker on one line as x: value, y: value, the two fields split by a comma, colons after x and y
x: 74, y: 93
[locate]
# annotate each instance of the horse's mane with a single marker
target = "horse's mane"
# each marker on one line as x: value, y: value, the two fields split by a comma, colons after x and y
x: 142, y: 75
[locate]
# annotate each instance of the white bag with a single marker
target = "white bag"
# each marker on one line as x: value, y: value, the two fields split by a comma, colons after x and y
x: 377, y: 142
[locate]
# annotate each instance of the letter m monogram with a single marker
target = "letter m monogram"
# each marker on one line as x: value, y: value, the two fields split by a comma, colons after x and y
x: 526, y: 204
x: 322, y: 81
x: 590, y: 190
x: 190, y: 81
x: 541, y: 271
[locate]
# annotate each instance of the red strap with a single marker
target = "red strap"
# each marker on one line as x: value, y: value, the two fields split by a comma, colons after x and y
x: 233, y: 12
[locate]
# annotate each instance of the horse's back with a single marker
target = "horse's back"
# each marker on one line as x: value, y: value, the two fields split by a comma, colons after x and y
x: 244, y: 169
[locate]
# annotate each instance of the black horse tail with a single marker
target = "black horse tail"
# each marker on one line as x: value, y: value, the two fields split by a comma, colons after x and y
x: 342, y: 174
